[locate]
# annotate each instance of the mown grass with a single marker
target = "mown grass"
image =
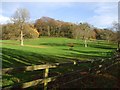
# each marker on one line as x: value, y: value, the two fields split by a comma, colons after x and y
x: 49, y: 50
x: 56, y: 50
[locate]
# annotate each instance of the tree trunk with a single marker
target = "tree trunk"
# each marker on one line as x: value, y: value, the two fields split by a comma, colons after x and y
x: 76, y: 38
x: 48, y: 31
x: 118, y: 47
x: 85, y: 43
x: 58, y: 32
x: 21, y: 39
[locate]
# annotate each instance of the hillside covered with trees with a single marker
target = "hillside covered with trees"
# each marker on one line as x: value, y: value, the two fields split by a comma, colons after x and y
x: 46, y: 26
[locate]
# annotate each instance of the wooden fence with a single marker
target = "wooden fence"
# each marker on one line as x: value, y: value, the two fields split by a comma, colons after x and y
x: 97, y: 66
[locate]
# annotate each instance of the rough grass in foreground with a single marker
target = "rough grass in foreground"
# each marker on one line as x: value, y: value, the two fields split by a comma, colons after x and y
x: 55, y: 50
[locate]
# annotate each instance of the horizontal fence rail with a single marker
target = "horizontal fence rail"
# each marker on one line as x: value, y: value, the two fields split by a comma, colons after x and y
x: 96, y: 67
x: 39, y: 67
x: 95, y: 70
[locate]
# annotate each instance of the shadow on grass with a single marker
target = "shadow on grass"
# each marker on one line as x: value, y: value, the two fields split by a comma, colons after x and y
x: 62, y: 44
x: 97, y: 45
x: 54, y: 44
x: 16, y: 58
x: 101, y: 46
x: 19, y: 58
x: 88, y: 54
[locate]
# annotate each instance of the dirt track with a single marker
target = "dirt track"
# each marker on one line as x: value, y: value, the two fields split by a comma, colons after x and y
x: 34, y: 46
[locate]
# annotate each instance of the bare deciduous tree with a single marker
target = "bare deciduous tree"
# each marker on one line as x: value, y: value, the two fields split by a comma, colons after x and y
x: 86, y: 29
x: 20, y: 17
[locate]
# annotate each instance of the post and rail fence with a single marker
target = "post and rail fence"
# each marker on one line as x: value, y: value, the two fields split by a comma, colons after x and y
x: 97, y: 66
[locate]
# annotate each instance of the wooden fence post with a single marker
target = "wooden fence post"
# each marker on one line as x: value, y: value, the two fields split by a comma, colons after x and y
x: 75, y: 62
x: 90, y: 68
x: 45, y: 77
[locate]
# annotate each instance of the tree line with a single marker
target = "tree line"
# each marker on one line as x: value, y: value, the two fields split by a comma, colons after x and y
x: 45, y: 26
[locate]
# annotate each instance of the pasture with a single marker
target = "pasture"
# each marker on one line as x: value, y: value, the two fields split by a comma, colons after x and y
x: 50, y: 50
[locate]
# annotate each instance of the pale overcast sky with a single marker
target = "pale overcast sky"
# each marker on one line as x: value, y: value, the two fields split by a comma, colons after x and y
x: 99, y: 14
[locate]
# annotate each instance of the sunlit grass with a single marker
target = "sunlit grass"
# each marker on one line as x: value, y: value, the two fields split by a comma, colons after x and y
x: 50, y: 50
x: 55, y: 50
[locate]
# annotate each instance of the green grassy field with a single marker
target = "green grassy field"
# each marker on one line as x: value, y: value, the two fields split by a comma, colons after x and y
x: 49, y: 50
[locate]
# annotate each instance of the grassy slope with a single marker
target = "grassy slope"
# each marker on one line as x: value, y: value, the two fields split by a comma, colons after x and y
x: 55, y: 50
